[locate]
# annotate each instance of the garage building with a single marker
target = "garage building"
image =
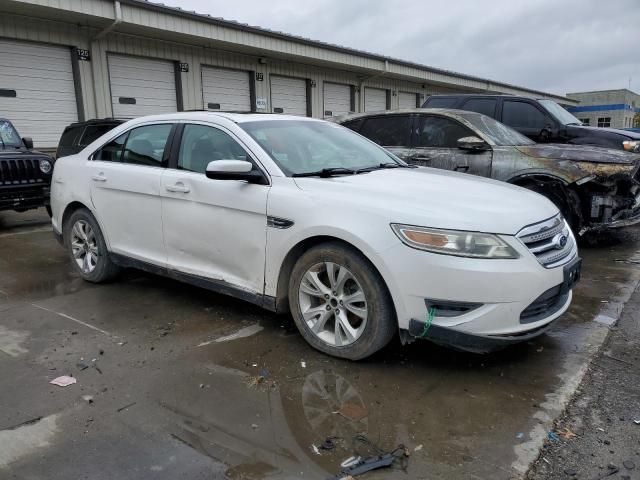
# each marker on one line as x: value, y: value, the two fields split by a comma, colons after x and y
x: 62, y: 61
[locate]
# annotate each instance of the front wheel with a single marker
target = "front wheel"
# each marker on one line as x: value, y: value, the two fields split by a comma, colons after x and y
x: 340, y: 303
x: 87, y: 248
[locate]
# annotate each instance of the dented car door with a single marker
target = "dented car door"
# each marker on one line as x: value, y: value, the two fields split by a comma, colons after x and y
x: 435, y: 145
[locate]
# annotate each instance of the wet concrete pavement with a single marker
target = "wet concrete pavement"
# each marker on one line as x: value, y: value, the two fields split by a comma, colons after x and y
x: 175, y: 393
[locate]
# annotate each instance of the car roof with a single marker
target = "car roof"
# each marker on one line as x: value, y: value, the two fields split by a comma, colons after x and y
x: 452, y: 112
x: 234, y: 117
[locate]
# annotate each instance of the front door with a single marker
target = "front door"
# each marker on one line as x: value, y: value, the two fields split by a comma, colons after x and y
x: 436, y: 145
x: 125, y: 177
x: 214, y: 228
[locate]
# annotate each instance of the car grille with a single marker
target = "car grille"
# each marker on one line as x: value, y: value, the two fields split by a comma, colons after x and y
x: 545, y: 305
x: 551, y: 241
x: 20, y: 172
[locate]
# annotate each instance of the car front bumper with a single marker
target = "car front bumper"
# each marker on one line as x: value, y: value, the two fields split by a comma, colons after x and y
x: 24, y: 197
x: 477, y: 304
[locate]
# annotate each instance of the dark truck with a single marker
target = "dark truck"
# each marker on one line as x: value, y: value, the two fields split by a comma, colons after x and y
x: 25, y: 174
x: 542, y: 120
x: 595, y: 188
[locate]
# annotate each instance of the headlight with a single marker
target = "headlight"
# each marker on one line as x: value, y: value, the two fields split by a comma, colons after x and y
x: 45, y: 166
x: 454, y: 242
x: 631, y: 145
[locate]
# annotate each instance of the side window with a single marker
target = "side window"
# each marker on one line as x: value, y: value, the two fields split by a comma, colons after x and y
x: 388, y: 131
x: 486, y: 106
x: 438, y: 102
x: 201, y: 145
x: 93, y: 132
x: 440, y: 132
x: 112, y: 151
x: 145, y: 145
x: 69, y: 136
x: 522, y: 115
x: 353, y: 124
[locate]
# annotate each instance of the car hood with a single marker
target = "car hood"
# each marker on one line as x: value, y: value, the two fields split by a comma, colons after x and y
x: 6, y: 153
x: 432, y: 198
x: 579, y: 153
x: 618, y: 131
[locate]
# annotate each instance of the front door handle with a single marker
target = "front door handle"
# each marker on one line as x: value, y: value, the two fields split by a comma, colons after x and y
x: 178, y: 187
x: 99, y: 177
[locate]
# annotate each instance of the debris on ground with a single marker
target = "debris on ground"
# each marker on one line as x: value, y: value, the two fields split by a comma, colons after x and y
x: 126, y: 406
x: 520, y: 435
x: 82, y: 366
x: 553, y: 436
x: 254, y: 425
x: 368, y: 456
x: 566, y: 433
x: 303, y: 364
x: 628, y: 464
x: 637, y: 422
x: 418, y: 448
x: 88, y: 398
x: 63, y: 381
x: 329, y: 443
x: 352, y: 412
x: 315, y: 449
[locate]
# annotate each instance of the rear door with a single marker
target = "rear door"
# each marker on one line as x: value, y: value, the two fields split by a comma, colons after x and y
x: 125, y: 190
x: 436, y: 145
x: 392, y: 132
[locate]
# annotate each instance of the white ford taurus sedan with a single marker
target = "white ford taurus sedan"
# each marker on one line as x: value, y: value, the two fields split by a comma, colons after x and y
x: 301, y: 215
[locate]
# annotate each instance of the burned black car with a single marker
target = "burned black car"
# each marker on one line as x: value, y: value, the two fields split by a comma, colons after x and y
x: 595, y: 188
x: 25, y: 174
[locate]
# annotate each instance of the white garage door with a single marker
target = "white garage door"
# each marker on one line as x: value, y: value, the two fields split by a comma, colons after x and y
x: 226, y: 90
x: 141, y: 86
x: 36, y: 90
x: 406, y: 100
x: 337, y: 99
x: 289, y: 95
x: 375, y: 99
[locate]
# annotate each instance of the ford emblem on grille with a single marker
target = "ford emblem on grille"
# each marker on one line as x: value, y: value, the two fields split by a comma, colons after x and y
x: 560, y: 241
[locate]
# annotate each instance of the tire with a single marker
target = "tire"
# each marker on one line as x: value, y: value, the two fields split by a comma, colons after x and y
x: 367, y: 304
x: 85, y: 243
x: 559, y: 200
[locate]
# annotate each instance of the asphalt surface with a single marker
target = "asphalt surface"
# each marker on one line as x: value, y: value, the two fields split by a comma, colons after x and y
x: 177, y: 382
x: 599, y: 435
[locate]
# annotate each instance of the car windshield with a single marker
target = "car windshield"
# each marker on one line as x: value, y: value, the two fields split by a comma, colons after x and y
x: 301, y: 146
x: 559, y: 113
x: 499, y: 133
x: 8, y: 135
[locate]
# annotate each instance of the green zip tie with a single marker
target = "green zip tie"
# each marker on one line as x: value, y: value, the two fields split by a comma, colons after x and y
x: 431, y: 312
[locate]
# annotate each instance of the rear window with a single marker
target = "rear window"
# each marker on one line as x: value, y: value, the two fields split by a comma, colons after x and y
x: 69, y: 136
x: 93, y: 132
x: 440, y: 102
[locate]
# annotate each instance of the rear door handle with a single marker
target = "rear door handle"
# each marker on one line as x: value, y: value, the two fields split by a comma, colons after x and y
x: 178, y: 187
x: 99, y: 177
x: 420, y: 158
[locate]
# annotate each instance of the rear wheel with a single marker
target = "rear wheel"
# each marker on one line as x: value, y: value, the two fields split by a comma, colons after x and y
x: 340, y: 303
x: 87, y: 248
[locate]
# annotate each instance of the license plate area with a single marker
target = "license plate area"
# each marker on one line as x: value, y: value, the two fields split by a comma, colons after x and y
x: 572, y: 274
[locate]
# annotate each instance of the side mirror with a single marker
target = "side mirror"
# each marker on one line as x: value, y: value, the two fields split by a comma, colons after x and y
x: 472, y: 143
x: 28, y: 142
x: 235, y: 170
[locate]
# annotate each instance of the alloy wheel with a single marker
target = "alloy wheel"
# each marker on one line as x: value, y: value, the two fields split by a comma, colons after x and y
x: 84, y: 246
x: 333, y: 304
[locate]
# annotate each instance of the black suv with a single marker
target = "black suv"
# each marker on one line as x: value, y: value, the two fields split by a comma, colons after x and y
x: 78, y: 135
x: 25, y: 175
x: 542, y: 120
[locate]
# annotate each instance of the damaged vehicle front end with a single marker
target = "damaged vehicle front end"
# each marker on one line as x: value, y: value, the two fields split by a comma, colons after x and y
x: 599, y: 187
x: 595, y: 188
